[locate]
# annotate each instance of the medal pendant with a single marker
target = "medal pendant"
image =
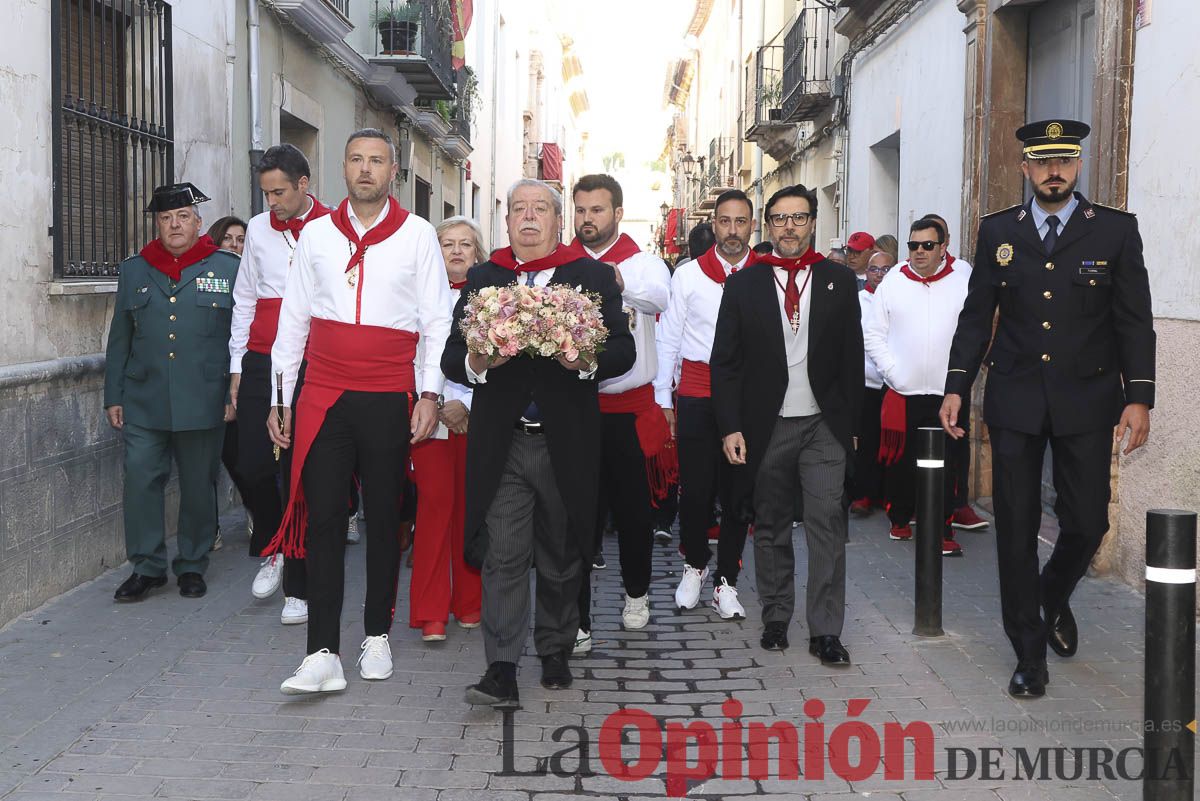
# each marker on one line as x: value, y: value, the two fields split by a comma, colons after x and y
x: 352, y: 277
x: 795, y: 322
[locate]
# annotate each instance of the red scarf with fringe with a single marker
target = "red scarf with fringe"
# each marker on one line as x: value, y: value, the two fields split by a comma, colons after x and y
x: 893, y: 425
x: 653, y: 433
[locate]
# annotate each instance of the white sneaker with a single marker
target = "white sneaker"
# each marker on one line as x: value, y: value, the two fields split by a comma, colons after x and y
x: 662, y: 536
x: 318, y: 673
x: 583, y: 643
x: 726, y: 603
x: 636, y: 613
x: 217, y: 541
x: 687, y: 594
x: 352, y: 535
x: 375, y: 661
x: 269, y: 576
x: 295, y: 611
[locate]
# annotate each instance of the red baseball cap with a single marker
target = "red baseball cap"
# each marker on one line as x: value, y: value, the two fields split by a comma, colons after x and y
x: 860, y: 240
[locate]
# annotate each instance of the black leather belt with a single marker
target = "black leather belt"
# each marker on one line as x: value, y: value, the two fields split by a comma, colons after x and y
x: 526, y: 427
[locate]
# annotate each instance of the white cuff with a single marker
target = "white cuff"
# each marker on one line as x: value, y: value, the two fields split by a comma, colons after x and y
x: 474, y: 377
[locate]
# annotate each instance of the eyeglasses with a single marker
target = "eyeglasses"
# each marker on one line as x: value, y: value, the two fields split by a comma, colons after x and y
x: 926, y: 246
x: 878, y: 269
x: 780, y: 220
x: 540, y: 209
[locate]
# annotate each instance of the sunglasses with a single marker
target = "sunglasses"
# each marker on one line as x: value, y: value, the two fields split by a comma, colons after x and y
x: 926, y: 246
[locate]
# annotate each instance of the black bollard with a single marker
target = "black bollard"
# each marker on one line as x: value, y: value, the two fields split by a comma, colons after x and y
x: 1170, y: 694
x: 931, y: 527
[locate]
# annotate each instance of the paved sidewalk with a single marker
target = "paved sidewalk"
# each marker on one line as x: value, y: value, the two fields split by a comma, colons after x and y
x: 173, y: 698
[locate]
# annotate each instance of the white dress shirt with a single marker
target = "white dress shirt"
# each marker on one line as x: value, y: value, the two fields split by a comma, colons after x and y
x: 912, y: 326
x: 266, y: 259
x: 798, y: 399
x: 647, y: 290
x: 866, y: 302
x: 451, y: 391
x: 686, y: 329
x: 401, y: 285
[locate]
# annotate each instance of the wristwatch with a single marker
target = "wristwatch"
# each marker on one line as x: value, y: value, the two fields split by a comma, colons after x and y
x: 439, y: 400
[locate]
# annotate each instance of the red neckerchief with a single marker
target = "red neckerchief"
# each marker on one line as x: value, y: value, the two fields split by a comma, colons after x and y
x: 390, y: 224
x: 158, y: 257
x: 870, y: 289
x: 297, y: 223
x: 801, y: 262
x: 562, y: 254
x: 458, y: 284
x: 621, y: 250
x: 711, y: 266
x: 908, y: 272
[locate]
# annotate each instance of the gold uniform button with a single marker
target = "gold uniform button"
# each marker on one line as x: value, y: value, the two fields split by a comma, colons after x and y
x: 171, y: 318
x: 214, y: 305
x: 172, y: 299
x: 171, y: 355
x: 1092, y: 282
x: 1003, y: 283
x: 1046, y: 325
x: 1045, y: 357
x: 1049, y: 265
x: 1047, y: 294
x: 210, y: 274
x: 171, y: 337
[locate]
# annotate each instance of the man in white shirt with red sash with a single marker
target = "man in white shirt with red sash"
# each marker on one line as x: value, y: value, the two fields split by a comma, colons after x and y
x: 637, y: 454
x: 685, y: 343
x: 271, y: 239
x: 368, y: 281
x: 912, y: 325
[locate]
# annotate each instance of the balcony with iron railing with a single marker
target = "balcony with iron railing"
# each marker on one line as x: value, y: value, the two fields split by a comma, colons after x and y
x: 718, y: 175
x: 762, y: 108
x: 808, y: 64
x: 413, y: 37
x: 340, y: 6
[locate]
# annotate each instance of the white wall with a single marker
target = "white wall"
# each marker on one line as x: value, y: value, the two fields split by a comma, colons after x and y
x: 1164, y: 169
x: 911, y: 82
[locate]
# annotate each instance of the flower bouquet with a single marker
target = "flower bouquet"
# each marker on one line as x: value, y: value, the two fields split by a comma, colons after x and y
x: 533, y: 321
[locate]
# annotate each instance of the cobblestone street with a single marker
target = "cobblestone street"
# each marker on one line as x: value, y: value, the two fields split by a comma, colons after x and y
x: 172, y: 698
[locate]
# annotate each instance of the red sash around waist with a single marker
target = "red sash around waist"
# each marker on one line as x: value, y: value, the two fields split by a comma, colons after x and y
x: 695, y: 380
x: 265, y: 325
x: 653, y: 433
x: 341, y: 357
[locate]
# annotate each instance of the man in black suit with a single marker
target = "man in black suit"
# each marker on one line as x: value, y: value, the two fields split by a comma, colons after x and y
x: 1072, y: 356
x: 533, y: 451
x: 787, y: 386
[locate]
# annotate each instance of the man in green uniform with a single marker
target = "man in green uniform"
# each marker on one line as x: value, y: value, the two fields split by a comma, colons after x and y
x: 166, y: 385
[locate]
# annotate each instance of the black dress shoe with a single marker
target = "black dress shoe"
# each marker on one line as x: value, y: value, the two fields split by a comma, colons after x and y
x: 1063, y: 634
x: 191, y: 585
x: 774, y: 637
x: 556, y: 672
x: 497, y: 688
x: 829, y: 649
x: 136, y: 586
x: 1029, y: 680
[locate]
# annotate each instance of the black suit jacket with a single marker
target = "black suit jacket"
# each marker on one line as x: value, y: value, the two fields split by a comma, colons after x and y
x: 1075, y: 340
x: 749, y: 362
x: 567, y: 403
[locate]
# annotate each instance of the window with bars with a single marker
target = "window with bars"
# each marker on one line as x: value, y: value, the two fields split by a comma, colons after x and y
x: 113, y: 129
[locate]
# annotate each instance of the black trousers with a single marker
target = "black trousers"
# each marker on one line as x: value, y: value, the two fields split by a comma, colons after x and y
x: 704, y: 475
x: 625, y: 492
x: 265, y: 487
x: 868, y: 472
x: 1081, y: 479
x: 367, y: 433
x: 921, y: 411
x: 668, y: 509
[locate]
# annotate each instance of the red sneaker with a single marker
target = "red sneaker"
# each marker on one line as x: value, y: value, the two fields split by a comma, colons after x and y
x: 469, y: 621
x: 861, y: 507
x: 433, y: 632
x: 965, y: 518
x: 902, y: 533
x: 951, y: 548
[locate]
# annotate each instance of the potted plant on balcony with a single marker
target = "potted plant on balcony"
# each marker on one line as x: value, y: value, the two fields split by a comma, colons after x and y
x: 397, y: 24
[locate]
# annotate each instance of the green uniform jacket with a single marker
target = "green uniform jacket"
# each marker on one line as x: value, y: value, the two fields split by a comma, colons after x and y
x: 168, y: 347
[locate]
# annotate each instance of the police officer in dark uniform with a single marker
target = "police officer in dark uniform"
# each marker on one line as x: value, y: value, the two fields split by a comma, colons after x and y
x: 166, y: 385
x: 1072, y: 357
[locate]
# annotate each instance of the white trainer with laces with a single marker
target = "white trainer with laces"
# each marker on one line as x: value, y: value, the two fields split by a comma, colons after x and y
x: 726, y: 603
x: 687, y: 594
x: 636, y: 613
x: 352, y: 535
x: 269, y: 576
x: 583, y: 643
x: 295, y: 611
x: 318, y: 673
x: 375, y: 661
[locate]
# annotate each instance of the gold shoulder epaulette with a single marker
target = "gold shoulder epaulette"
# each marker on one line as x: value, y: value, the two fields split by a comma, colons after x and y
x: 1113, y: 208
x: 1001, y: 211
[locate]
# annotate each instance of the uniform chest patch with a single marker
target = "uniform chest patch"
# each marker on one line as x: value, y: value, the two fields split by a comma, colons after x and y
x: 1004, y: 254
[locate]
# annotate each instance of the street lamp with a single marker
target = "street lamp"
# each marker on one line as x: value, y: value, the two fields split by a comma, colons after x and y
x: 664, y: 209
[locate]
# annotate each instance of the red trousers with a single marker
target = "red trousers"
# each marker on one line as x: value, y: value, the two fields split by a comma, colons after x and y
x: 441, y: 581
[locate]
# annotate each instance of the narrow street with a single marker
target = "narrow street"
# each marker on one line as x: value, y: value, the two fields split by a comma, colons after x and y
x: 173, y: 698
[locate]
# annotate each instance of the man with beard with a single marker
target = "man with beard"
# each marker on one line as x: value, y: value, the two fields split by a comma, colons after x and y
x: 368, y: 281
x: 1072, y: 357
x: 787, y: 385
x: 637, y: 463
x: 271, y: 239
x: 533, y: 452
x: 685, y: 343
